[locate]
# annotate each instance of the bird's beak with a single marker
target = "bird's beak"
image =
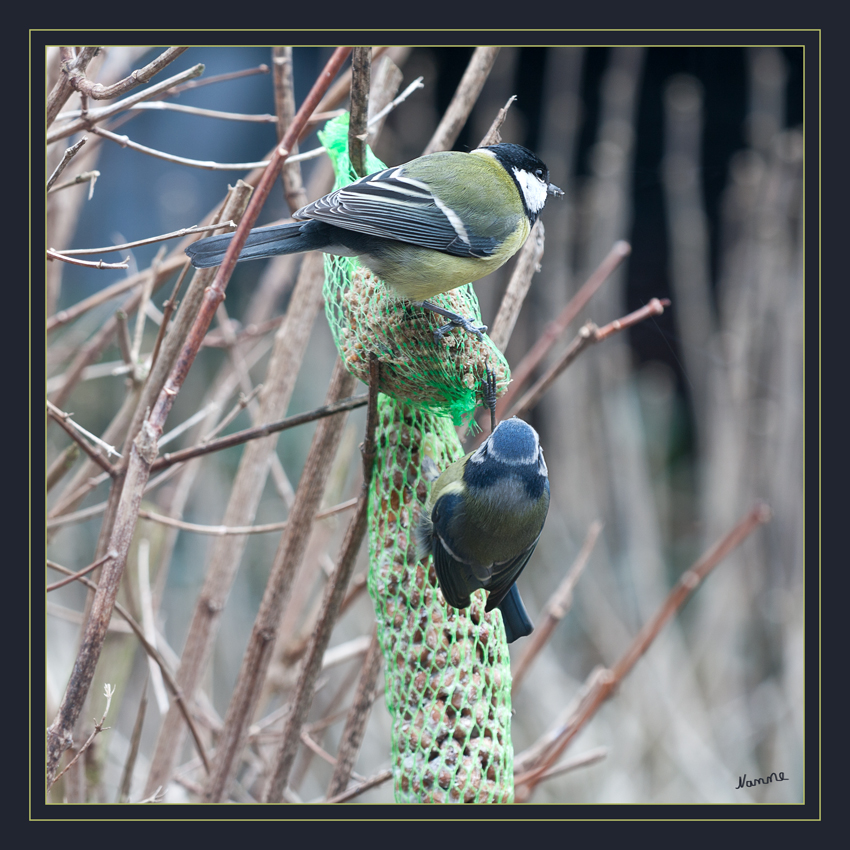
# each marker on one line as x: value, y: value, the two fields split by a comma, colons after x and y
x: 552, y: 189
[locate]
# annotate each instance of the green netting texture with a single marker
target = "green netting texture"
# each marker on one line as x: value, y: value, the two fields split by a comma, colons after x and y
x: 448, y: 676
x: 444, y: 377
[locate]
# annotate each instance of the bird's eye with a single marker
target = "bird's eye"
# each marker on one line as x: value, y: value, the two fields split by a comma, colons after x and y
x: 539, y: 174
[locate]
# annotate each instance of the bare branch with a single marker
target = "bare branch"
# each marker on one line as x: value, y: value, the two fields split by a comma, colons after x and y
x: 555, y: 328
x: 66, y: 158
x: 93, y: 116
x: 55, y: 255
x: 74, y: 576
x: 75, y: 431
x: 361, y: 73
x: 97, y: 91
x: 588, y: 335
x: 464, y: 99
x: 556, y: 608
x: 606, y: 681
x: 177, y: 234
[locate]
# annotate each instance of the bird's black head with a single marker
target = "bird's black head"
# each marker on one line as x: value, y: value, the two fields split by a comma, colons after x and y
x: 529, y: 173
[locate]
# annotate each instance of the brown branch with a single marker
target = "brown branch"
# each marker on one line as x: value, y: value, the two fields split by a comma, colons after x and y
x: 236, y: 439
x: 69, y: 154
x: 55, y: 255
x: 290, y: 552
x: 361, y: 73
x: 97, y: 91
x: 154, y: 653
x: 63, y: 464
x: 464, y: 99
x: 64, y: 422
x: 334, y: 594
x: 357, y: 790
x: 493, y: 136
x: 62, y: 90
x: 554, y: 329
x: 284, y: 99
x: 144, y: 446
x: 587, y: 336
x: 556, y: 608
x: 604, y: 682
x: 528, y: 262
x: 358, y: 715
x: 74, y: 576
x: 177, y: 234
x: 90, y: 117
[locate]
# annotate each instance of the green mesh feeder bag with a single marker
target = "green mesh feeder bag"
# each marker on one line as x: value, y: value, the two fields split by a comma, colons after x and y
x: 448, y: 672
x: 448, y: 675
x: 365, y: 317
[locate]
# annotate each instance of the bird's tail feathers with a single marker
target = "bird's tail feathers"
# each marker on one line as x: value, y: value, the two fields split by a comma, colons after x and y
x: 290, y: 238
x: 517, y: 622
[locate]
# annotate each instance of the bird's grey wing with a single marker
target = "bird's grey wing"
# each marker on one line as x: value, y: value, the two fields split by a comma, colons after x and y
x: 504, y: 576
x: 393, y: 206
x: 454, y: 576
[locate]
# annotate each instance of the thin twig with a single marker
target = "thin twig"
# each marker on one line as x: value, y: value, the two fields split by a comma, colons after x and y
x: 55, y: 255
x: 556, y: 608
x: 74, y: 576
x: 177, y: 234
x: 361, y: 74
x: 84, y: 177
x: 205, y: 164
x: 74, y: 431
x: 144, y: 446
x: 69, y: 154
x: 87, y: 121
x: 554, y: 329
x: 236, y: 439
x: 334, y: 594
x: 493, y: 136
x: 223, y: 530
x: 154, y: 653
x: 357, y: 790
x: 477, y: 71
x: 97, y: 91
x: 108, y: 692
x: 606, y: 681
x: 358, y: 715
x: 588, y: 335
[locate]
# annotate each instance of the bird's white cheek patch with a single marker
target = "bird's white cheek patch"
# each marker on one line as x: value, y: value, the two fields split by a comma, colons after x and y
x: 533, y: 189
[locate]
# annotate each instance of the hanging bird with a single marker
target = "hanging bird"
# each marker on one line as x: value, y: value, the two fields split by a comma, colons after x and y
x: 484, y: 518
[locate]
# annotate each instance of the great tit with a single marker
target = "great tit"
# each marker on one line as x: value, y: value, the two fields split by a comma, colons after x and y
x: 483, y: 519
x: 425, y: 227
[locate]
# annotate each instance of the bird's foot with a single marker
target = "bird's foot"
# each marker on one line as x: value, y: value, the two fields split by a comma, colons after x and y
x: 455, y: 321
x: 489, y: 396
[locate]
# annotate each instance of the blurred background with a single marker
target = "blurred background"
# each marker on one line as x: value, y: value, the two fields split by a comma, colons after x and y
x: 667, y: 434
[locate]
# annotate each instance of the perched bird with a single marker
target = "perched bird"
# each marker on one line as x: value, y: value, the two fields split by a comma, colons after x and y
x: 484, y: 518
x: 425, y: 227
